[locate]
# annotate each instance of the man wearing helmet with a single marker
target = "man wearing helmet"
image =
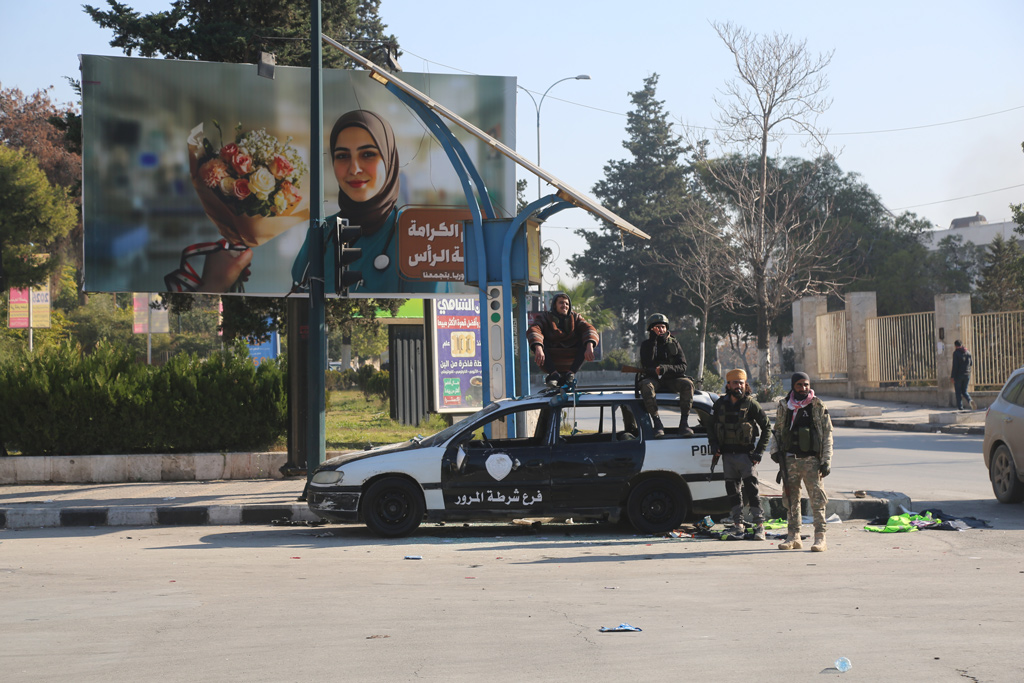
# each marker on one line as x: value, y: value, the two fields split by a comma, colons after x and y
x: 663, y: 364
x: 561, y: 340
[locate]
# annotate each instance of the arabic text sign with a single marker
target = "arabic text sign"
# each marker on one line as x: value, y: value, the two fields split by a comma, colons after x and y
x: 17, y: 315
x: 430, y: 245
x: 457, y: 352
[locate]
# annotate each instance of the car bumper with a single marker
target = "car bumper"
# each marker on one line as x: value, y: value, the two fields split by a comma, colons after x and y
x: 339, y: 506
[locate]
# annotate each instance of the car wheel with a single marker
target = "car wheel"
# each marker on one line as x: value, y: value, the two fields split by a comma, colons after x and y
x: 1003, y: 473
x: 393, y: 507
x: 656, y: 506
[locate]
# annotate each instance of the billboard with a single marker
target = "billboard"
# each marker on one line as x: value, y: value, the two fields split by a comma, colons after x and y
x: 196, y: 177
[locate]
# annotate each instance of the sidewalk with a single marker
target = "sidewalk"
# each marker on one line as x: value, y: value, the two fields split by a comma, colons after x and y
x: 263, y: 501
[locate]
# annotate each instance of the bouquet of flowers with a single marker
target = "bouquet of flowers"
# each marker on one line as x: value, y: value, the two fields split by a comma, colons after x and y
x: 249, y: 188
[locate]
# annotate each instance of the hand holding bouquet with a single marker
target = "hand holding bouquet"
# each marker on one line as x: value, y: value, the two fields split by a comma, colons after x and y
x: 250, y: 187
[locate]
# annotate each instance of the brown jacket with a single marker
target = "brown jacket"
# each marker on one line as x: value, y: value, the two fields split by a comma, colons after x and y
x: 560, y: 345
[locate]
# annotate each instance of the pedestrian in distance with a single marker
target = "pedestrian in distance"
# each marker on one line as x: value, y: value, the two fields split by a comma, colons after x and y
x: 961, y: 375
x: 561, y: 340
x: 662, y: 366
x: 803, y: 450
x: 738, y: 434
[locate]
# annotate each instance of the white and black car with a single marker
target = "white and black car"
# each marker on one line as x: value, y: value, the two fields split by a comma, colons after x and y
x: 589, y: 455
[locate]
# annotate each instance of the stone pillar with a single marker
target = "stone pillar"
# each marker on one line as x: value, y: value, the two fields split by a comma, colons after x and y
x: 805, y: 333
x: 948, y: 309
x: 859, y: 307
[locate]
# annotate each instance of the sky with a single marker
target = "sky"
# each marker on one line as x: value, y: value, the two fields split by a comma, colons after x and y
x: 927, y: 107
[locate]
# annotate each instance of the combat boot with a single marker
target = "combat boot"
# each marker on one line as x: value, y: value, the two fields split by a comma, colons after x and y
x: 759, y: 533
x: 819, y: 543
x: 684, y: 429
x: 659, y: 428
x: 792, y: 542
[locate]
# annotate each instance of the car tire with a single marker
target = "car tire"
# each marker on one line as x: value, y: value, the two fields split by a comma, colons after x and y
x: 656, y: 506
x: 393, y: 507
x: 1003, y: 474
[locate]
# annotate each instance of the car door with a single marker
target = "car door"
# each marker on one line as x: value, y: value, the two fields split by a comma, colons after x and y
x: 500, y: 475
x: 598, y: 450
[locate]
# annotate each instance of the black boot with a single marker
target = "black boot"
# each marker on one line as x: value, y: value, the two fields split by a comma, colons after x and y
x: 659, y: 428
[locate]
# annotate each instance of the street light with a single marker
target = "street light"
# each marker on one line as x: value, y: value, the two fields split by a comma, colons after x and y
x: 537, y: 105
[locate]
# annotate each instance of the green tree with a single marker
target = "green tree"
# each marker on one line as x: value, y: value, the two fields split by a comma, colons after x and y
x: 228, y: 31
x: 35, y: 215
x: 1001, y: 287
x: 648, y: 190
x: 587, y: 303
x: 955, y: 265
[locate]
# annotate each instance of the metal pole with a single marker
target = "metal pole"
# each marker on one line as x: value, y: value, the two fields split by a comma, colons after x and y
x: 537, y: 105
x: 315, y: 422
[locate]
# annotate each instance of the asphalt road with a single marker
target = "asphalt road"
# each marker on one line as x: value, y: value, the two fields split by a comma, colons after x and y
x: 509, y: 603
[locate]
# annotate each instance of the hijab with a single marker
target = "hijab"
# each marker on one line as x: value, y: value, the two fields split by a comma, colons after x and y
x: 371, y: 214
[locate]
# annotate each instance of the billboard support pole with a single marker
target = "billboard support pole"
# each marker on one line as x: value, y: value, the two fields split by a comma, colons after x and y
x: 317, y: 360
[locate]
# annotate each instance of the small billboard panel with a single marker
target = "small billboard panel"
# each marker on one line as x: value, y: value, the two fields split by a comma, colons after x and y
x: 459, y: 370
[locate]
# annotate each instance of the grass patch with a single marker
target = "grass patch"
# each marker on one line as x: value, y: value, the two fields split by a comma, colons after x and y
x: 352, y: 421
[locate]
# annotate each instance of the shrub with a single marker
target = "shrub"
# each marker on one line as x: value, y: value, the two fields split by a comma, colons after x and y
x: 63, y: 401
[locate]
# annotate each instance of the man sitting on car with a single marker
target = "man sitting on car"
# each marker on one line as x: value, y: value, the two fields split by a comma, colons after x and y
x: 662, y: 364
x: 561, y: 340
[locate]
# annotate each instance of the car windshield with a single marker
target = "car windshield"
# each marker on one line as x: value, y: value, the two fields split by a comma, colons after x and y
x: 449, y: 432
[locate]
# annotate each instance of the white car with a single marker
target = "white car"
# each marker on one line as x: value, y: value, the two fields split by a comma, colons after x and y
x: 585, y: 455
x: 1003, y: 447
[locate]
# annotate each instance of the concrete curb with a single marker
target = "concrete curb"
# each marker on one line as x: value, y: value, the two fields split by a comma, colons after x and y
x: 26, y: 517
x: 968, y: 430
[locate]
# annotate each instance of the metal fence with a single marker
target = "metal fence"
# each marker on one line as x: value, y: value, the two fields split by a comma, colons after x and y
x: 996, y: 343
x: 901, y: 349
x: 831, y: 329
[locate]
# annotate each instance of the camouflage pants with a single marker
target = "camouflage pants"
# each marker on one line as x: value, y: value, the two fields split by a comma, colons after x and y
x: 649, y: 387
x: 804, y: 470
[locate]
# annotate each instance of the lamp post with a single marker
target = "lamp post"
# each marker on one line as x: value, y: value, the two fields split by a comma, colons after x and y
x: 537, y: 105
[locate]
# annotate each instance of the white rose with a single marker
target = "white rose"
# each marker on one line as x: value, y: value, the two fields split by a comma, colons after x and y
x: 195, y: 141
x: 280, y: 203
x: 227, y: 186
x: 262, y: 183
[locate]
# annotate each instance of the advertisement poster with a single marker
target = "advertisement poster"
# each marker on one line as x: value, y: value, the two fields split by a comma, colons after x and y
x: 457, y: 354
x: 17, y: 311
x: 196, y: 177
x: 19, y: 316
x: 149, y: 320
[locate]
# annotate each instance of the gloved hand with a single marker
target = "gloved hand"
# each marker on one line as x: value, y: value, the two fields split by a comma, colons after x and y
x: 824, y: 469
x: 777, y: 458
x: 755, y: 457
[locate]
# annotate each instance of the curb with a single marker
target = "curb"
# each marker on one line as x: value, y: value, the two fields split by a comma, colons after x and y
x: 23, y: 517
x: 859, y: 423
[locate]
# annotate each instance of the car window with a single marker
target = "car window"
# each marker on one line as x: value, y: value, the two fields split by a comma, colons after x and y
x: 533, y: 421
x: 669, y: 413
x: 598, y: 423
x: 1013, y: 392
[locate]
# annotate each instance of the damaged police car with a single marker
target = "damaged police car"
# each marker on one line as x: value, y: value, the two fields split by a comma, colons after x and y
x: 588, y: 455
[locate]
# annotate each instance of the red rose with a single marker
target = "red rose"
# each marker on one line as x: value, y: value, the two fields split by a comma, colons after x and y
x: 289, y: 193
x: 228, y: 152
x: 242, y: 188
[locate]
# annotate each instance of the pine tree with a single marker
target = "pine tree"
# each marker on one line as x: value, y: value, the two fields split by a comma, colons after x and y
x: 648, y: 190
x: 1001, y: 287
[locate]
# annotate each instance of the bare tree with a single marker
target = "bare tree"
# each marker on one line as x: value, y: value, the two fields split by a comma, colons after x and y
x: 703, y: 264
x: 784, y: 246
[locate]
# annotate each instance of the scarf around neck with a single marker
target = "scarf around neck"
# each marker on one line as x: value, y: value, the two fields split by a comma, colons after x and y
x: 795, y: 405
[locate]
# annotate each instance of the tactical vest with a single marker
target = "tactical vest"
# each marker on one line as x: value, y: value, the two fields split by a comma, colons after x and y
x: 802, y: 437
x: 734, y: 431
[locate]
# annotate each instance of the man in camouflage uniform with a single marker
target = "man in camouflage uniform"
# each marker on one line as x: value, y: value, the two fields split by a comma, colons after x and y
x: 662, y: 364
x: 803, y: 447
x: 738, y: 432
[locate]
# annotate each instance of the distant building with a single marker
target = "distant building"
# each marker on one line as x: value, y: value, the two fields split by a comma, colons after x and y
x: 973, y: 229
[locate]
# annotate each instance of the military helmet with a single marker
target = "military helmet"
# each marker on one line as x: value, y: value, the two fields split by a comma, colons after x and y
x: 655, y: 319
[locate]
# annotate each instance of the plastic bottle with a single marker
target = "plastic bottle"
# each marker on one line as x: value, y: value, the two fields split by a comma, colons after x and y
x: 843, y: 664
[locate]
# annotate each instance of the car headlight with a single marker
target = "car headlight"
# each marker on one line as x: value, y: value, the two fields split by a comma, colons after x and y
x: 328, y: 477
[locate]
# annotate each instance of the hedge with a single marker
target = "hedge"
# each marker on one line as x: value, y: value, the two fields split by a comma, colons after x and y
x: 60, y: 401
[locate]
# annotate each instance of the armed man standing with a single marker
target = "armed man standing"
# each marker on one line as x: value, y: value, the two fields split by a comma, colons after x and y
x: 662, y: 363
x: 803, y: 449
x: 738, y: 432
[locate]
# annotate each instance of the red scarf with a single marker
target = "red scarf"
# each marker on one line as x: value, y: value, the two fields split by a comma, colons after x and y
x: 795, y: 405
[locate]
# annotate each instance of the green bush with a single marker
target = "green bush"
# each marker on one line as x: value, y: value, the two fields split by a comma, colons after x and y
x: 62, y: 401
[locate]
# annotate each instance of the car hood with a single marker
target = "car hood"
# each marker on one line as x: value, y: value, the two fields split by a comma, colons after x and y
x: 352, y: 456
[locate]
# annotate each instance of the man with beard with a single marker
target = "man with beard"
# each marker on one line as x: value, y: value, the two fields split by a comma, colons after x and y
x: 803, y: 447
x: 738, y: 433
x: 662, y: 364
x: 561, y: 340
